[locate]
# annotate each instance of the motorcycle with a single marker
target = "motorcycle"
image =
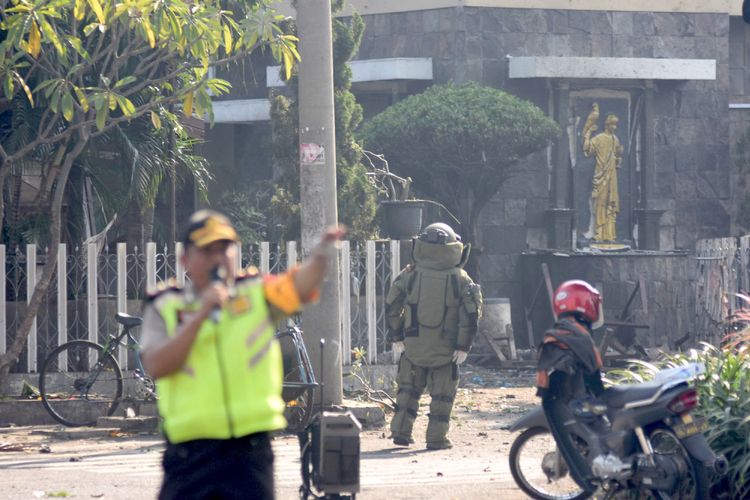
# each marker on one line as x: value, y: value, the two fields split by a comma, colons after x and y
x: 635, y: 438
x: 536, y: 464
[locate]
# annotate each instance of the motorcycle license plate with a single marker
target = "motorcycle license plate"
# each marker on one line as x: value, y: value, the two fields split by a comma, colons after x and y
x: 690, y: 427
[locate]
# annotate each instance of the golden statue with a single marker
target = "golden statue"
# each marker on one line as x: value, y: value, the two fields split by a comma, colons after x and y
x: 607, y: 151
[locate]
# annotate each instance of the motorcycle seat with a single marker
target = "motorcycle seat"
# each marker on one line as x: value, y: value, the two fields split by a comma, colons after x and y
x: 619, y: 395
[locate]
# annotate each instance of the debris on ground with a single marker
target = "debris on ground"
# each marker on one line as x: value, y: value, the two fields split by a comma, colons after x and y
x: 8, y: 446
x: 29, y: 391
x: 478, y: 376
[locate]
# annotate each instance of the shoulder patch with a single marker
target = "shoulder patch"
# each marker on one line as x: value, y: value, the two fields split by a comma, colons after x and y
x: 249, y: 272
x: 163, y: 287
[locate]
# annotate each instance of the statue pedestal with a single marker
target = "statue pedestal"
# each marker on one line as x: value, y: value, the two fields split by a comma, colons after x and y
x: 610, y: 247
x: 560, y: 228
x: 648, y: 228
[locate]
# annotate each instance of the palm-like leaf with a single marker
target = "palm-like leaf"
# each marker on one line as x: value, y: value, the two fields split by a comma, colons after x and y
x: 148, y: 156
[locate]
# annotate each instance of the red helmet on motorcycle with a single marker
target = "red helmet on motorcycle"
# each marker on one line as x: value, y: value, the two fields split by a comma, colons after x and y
x: 580, y: 298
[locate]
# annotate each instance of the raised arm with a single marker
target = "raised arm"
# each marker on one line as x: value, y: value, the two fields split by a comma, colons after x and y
x: 310, y: 274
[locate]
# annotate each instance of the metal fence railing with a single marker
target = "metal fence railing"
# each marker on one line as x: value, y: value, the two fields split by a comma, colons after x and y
x: 721, y: 278
x: 98, y: 282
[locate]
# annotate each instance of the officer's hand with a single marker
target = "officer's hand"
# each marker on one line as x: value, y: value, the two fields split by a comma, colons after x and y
x: 327, y: 245
x: 459, y: 356
x: 398, y: 348
x: 333, y: 234
x: 214, y: 296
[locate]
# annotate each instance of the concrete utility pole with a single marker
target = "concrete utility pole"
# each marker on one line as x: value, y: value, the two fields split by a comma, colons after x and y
x: 318, y: 183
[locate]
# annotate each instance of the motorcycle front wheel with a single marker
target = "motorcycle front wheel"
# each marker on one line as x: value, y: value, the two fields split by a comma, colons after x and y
x: 539, y: 469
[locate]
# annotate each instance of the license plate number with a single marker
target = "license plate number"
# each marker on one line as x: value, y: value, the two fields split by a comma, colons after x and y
x: 685, y: 430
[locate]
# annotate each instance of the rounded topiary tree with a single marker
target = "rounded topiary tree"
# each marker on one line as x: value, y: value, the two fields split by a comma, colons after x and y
x: 459, y: 143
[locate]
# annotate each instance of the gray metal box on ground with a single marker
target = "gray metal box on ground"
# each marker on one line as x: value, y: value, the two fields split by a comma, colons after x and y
x: 335, y: 453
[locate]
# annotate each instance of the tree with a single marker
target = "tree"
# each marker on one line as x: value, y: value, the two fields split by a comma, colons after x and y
x: 89, y: 67
x: 357, y: 197
x: 133, y: 182
x: 460, y: 143
x: 119, y: 173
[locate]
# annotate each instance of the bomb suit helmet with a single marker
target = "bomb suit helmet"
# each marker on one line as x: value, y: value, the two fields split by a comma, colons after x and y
x: 439, y: 233
x: 438, y: 246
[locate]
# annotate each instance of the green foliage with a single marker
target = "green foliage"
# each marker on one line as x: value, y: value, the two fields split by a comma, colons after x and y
x: 111, y: 74
x: 90, y: 66
x: 285, y: 204
x: 361, y: 371
x: 33, y: 229
x: 126, y: 163
x: 149, y: 156
x: 724, y: 400
x: 357, y: 197
x: 459, y: 143
x: 242, y: 206
x: 87, y: 61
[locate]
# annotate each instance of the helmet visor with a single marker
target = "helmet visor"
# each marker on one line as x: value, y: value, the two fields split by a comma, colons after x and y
x: 600, y: 317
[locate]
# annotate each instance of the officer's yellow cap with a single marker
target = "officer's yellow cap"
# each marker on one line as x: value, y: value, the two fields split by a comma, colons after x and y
x: 206, y: 226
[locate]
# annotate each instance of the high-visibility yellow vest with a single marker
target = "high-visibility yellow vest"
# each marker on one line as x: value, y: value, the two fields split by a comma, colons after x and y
x: 230, y: 385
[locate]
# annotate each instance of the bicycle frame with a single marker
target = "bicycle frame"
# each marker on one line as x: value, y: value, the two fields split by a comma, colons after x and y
x: 125, y: 339
x: 128, y: 341
x: 292, y: 389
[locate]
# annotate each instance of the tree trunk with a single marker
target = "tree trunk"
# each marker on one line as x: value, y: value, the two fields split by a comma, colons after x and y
x: 147, y: 226
x: 470, y: 236
x: 475, y: 199
x: 4, y: 171
x: 10, y: 358
x: 14, y: 234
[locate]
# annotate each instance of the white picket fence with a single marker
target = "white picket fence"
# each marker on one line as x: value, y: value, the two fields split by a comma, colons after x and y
x: 98, y: 283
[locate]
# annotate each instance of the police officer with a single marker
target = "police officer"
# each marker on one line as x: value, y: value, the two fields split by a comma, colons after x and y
x: 432, y: 308
x: 211, y: 348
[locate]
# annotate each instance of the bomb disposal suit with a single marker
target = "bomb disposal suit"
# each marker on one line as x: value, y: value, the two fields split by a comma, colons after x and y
x: 433, y: 308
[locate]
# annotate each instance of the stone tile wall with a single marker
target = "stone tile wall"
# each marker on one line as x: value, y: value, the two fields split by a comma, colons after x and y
x: 695, y: 181
x: 739, y: 56
x: 670, y: 296
x: 739, y: 119
x: 693, y: 166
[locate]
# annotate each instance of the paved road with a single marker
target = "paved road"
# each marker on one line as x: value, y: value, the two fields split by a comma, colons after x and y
x: 131, y: 469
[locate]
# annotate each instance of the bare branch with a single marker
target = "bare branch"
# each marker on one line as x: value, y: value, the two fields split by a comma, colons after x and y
x: 112, y: 52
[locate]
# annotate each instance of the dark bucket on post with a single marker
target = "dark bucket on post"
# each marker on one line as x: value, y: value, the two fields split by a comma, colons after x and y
x: 402, y: 219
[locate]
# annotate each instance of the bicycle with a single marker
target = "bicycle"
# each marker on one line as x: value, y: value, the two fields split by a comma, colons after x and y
x: 299, y: 379
x: 91, y: 384
x: 81, y: 380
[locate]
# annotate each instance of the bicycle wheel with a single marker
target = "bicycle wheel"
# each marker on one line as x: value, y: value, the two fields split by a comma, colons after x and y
x: 299, y: 410
x: 79, y: 383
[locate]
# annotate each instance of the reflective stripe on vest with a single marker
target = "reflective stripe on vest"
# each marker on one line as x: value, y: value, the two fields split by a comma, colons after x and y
x: 231, y: 383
